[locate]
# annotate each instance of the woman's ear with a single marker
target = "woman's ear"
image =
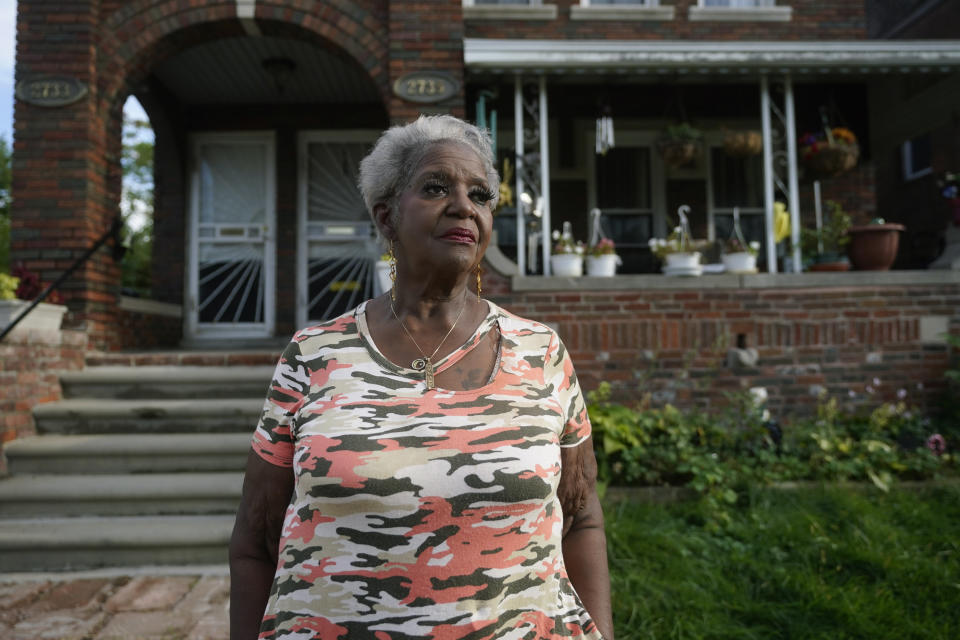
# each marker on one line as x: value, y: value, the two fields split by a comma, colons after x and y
x: 384, y: 221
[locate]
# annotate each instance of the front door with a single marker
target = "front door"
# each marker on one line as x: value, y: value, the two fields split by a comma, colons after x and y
x: 336, y: 245
x: 231, y: 269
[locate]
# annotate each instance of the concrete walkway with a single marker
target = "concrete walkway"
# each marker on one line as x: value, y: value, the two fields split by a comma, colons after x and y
x: 168, y: 603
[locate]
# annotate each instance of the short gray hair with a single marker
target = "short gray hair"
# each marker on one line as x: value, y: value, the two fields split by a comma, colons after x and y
x: 390, y: 165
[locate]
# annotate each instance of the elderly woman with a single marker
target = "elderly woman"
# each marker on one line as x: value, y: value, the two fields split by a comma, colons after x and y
x: 423, y: 466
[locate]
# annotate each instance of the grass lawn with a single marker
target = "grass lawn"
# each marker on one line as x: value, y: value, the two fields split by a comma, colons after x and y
x: 814, y: 563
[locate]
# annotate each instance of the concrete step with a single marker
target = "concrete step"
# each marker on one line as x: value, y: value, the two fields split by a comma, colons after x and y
x: 166, y: 382
x: 195, y: 415
x: 26, y: 496
x: 69, y: 544
x: 128, y: 453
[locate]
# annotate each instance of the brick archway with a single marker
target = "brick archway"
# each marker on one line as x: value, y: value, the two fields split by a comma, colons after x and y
x: 67, y: 160
x: 145, y: 32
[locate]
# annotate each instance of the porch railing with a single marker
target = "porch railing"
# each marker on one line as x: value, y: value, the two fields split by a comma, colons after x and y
x: 112, y: 232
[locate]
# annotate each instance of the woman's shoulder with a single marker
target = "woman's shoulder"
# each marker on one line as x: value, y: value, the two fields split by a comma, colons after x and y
x: 513, y: 325
x: 332, y: 333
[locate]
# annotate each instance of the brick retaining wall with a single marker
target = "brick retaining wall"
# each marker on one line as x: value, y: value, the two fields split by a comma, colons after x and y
x: 30, y: 363
x: 670, y: 338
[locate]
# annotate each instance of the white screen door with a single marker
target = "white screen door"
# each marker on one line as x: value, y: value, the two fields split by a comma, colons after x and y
x: 336, y: 247
x: 232, y: 248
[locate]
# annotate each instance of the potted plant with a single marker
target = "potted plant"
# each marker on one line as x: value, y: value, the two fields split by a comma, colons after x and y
x: 739, y: 256
x: 680, y: 254
x: 680, y: 145
x: 829, y: 152
x: 602, y: 259
x: 873, y: 246
x: 826, y: 246
x: 567, y: 257
x: 17, y: 290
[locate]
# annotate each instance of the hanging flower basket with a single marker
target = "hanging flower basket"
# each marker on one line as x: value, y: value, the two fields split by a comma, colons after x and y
x: 829, y: 160
x: 568, y: 265
x: 830, y: 152
x: 741, y: 144
x: 679, y: 153
x: 680, y: 145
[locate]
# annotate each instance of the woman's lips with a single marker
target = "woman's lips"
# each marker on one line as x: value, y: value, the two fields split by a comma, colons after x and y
x: 460, y: 235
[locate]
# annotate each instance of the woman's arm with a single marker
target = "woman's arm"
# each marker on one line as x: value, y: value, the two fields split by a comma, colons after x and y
x: 255, y: 543
x: 584, y: 540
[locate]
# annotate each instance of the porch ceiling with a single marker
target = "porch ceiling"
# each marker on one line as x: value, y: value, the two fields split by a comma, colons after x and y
x: 231, y: 71
x: 483, y: 55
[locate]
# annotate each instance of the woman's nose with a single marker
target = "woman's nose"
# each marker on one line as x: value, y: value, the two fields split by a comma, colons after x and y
x: 461, y: 204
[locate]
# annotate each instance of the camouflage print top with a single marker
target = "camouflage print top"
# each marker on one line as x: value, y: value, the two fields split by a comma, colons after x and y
x: 422, y: 513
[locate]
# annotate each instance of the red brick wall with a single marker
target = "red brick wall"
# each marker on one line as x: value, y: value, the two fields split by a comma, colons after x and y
x: 425, y: 35
x: 672, y: 343
x: 64, y: 194
x: 811, y: 20
x: 30, y: 362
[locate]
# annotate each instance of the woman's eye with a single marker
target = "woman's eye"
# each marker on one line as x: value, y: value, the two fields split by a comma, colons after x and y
x: 481, y: 195
x: 434, y: 188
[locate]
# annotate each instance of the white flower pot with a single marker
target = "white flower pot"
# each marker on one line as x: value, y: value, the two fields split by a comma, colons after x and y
x: 688, y: 260
x: 382, y: 282
x: 566, y: 264
x: 605, y: 265
x: 739, y: 262
x: 43, y: 317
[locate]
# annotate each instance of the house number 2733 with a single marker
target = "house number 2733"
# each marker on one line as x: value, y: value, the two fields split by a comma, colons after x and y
x: 425, y: 86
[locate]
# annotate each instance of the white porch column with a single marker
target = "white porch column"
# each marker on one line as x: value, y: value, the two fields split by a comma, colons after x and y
x: 518, y: 172
x: 780, y: 175
x: 792, y: 174
x: 544, y: 176
x: 768, y: 175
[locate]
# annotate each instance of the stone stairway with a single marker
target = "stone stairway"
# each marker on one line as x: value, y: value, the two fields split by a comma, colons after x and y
x: 136, y: 466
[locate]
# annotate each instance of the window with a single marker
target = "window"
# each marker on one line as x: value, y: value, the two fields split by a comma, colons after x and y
x: 737, y: 4
x: 621, y: 10
x: 624, y: 195
x: 643, y: 3
x: 508, y: 10
x: 915, y: 153
x: 736, y: 183
x: 739, y: 10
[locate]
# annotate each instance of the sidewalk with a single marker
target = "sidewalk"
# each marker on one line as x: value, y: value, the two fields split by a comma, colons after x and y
x: 168, y: 603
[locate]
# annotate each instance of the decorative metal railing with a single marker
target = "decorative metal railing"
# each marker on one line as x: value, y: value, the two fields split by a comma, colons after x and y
x: 118, y: 249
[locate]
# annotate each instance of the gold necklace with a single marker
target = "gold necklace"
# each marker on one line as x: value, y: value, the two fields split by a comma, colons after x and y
x: 425, y: 363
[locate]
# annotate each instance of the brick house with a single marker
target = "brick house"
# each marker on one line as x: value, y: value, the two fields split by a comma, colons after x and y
x: 262, y: 108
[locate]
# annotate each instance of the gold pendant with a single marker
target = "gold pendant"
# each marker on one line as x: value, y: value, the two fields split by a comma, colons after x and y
x: 418, y: 364
x: 428, y: 375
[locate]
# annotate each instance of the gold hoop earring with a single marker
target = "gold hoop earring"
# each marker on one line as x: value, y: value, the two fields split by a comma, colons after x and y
x: 479, y: 271
x: 392, y: 259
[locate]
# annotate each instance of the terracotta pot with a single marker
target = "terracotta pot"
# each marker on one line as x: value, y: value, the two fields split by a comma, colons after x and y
x: 838, y: 265
x: 873, y: 247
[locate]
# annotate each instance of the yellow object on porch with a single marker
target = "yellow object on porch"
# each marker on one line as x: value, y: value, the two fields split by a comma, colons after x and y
x: 781, y: 222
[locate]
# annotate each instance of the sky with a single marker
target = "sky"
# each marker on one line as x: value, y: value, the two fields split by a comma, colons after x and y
x: 7, y: 47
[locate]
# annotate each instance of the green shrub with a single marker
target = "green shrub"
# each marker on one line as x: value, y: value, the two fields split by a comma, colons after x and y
x: 722, y: 454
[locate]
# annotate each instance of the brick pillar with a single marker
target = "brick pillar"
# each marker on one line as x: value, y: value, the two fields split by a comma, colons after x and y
x: 66, y: 175
x: 426, y: 36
